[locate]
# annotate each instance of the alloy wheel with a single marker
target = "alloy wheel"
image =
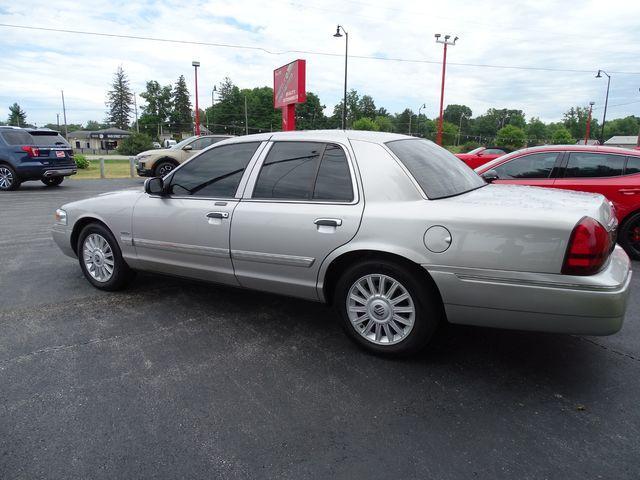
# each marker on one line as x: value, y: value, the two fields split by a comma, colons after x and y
x: 381, y: 309
x: 98, y: 257
x: 6, y: 178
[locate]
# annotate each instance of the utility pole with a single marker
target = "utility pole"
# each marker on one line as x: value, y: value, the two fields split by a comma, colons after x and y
x: 58, y: 120
x: 462, y: 115
x: 586, y: 136
x: 135, y: 107
x: 195, y: 65
x: 64, y: 114
x: 606, y: 102
x: 445, y: 43
x: 213, y: 110
x: 246, y: 121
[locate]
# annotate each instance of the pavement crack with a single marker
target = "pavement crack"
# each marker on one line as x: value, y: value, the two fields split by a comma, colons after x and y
x: 613, y: 350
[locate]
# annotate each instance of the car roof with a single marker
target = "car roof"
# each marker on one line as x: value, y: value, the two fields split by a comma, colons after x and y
x: 322, y: 135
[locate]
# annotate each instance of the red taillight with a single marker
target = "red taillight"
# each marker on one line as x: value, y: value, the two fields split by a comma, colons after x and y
x: 589, y: 247
x: 32, y: 151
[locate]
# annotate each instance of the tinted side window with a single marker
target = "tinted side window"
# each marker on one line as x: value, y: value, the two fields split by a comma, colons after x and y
x: 16, y: 137
x: 594, y: 165
x: 493, y: 151
x: 334, y: 179
x: 215, y: 173
x: 536, y: 165
x: 633, y: 166
x: 48, y: 139
x: 289, y: 171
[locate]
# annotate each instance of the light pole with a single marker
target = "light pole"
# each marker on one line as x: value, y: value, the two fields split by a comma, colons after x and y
x: 462, y: 115
x: 213, y: 112
x: 196, y: 64
x: 445, y: 42
x: 588, y: 132
x: 606, y: 101
x: 346, y: 56
x: 638, y: 144
x: 424, y: 105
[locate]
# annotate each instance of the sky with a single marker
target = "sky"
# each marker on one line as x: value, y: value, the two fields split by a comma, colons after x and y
x: 581, y: 36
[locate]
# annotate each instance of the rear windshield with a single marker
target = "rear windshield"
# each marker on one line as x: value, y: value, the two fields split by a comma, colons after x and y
x: 437, y: 171
x: 48, y: 139
x: 16, y: 137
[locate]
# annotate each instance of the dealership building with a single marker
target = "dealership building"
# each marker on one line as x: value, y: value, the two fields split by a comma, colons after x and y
x: 97, y: 140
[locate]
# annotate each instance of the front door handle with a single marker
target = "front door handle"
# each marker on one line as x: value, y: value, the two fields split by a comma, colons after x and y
x: 218, y: 215
x: 629, y: 191
x: 328, y: 222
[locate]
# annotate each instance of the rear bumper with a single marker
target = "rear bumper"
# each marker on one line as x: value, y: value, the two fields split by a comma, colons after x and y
x: 60, y: 172
x: 593, y: 305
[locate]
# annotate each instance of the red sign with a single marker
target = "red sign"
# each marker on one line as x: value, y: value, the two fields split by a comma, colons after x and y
x: 289, y: 84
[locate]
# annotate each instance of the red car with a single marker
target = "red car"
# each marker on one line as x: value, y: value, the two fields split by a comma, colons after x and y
x: 613, y: 172
x: 481, y: 155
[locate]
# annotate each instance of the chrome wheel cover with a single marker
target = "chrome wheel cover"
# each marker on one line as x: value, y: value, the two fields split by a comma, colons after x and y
x: 98, y: 257
x: 6, y: 178
x: 380, y: 309
x: 164, y: 169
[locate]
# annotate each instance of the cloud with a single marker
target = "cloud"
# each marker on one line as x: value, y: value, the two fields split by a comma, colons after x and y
x: 565, y: 35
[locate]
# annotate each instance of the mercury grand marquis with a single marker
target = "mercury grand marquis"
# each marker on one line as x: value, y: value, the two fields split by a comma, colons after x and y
x: 393, y: 231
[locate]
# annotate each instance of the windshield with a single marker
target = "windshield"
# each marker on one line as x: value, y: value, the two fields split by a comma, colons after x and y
x: 438, y: 172
x: 184, y: 142
x: 475, y: 150
x: 48, y: 139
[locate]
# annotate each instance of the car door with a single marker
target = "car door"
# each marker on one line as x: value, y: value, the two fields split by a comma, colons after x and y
x: 595, y: 172
x: 301, y: 203
x: 186, y: 231
x: 537, y: 169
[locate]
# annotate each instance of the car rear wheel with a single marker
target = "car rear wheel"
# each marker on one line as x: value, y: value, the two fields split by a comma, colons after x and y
x: 387, y: 308
x: 52, y: 181
x: 162, y: 168
x: 101, y: 260
x: 8, y: 178
x: 629, y: 236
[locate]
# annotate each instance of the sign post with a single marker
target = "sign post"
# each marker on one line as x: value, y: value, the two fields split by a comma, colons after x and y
x: 289, y: 88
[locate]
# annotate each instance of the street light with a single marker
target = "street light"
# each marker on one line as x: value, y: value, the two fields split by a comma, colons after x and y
x: 424, y: 105
x: 586, y: 136
x: 195, y: 65
x: 445, y: 42
x: 213, y: 112
x: 346, y: 56
x: 606, y: 101
x: 462, y: 115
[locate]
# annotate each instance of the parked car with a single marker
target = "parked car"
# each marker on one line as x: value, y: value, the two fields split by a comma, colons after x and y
x: 392, y: 230
x: 169, y: 142
x: 157, y: 163
x: 481, y: 155
x: 157, y: 145
x: 613, y: 172
x: 34, y: 154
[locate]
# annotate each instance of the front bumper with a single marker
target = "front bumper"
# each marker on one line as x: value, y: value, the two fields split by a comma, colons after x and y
x: 143, y: 172
x: 593, y: 305
x: 62, y: 236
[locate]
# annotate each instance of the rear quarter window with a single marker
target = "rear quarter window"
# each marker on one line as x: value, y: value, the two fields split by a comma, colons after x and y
x: 633, y: 166
x: 16, y: 137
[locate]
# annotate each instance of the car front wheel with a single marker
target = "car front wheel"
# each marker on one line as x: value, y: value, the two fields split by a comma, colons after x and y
x: 629, y: 236
x: 387, y: 308
x: 101, y: 260
x: 163, y: 168
x: 52, y: 181
x: 8, y: 178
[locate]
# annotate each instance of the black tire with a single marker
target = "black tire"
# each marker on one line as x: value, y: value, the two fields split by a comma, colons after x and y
x: 121, y: 274
x: 52, y: 181
x: 629, y: 236
x: 425, y: 300
x: 9, y: 180
x: 163, y: 167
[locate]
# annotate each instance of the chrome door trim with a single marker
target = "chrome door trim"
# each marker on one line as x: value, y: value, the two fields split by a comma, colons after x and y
x: 289, y: 260
x: 182, y: 247
x: 253, y: 176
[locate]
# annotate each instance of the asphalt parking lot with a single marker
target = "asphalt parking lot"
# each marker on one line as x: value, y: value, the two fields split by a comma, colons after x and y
x: 175, y: 379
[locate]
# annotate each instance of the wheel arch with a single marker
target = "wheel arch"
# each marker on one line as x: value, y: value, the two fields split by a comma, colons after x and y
x: 346, y: 259
x: 165, y: 159
x: 628, y: 216
x: 79, y: 225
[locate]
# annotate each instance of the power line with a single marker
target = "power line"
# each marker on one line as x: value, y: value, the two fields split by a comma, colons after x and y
x: 306, y: 52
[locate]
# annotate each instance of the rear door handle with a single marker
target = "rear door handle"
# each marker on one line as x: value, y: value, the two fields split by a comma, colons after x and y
x: 218, y: 215
x: 328, y: 222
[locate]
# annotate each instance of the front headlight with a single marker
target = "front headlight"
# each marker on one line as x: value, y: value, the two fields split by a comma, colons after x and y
x: 61, y: 217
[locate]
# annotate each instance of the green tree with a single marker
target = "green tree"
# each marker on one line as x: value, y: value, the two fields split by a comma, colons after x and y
x: 454, y: 113
x: 536, y: 132
x: 17, y: 116
x: 310, y: 115
x: 384, y: 123
x: 511, y: 137
x: 575, y: 120
x: 402, y: 121
x: 134, y: 144
x: 93, y: 125
x: 180, y: 115
x: 562, y: 136
x: 621, y: 126
x: 367, y: 107
x: 365, y: 123
x: 119, y: 100
x: 449, y: 133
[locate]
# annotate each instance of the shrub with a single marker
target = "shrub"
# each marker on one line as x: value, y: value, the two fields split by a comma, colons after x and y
x: 81, y: 161
x: 511, y: 137
x: 134, y: 144
x: 365, y: 123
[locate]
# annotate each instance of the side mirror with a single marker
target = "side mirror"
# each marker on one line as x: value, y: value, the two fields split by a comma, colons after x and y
x: 480, y: 153
x: 490, y: 176
x: 187, y: 147
x: 154, y: 186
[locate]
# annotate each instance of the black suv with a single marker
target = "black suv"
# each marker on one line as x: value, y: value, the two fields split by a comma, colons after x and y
x: 34, y: 154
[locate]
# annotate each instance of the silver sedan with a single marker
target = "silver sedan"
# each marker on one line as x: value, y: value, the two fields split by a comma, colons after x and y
x: 394, y: 231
